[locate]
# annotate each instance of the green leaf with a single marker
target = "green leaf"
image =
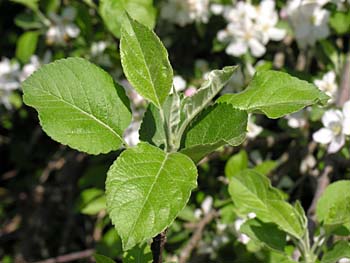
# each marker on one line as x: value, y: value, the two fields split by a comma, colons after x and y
x: 340, y: 22
x: 91, y: 201
x: 79, y: 105
x: 277, y: 257
x: 28, y: 21
x: 275, y: 94
x: 32, y: 4
x: 145, y: 62
x: 103, y: 259
x: 138, y: 254
x: 173, y: 117
x: 267, y: 233
x: 152, y: 130
x: 333, y: 208
x: 218, y: 125
x: 26, y: 45
x: 113, y: 13
x: 266, y: 167
x: 340, y: 250
x: 252, y: 192
x: 236, y: 164
x: 146, y: 189
x: 192, y: 106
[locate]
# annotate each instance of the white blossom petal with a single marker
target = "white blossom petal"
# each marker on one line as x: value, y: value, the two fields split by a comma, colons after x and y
x: 336, y: 144
x: 332, y: 116
x: 323, y: 136
x: 277, y: 34
x: 237, y: 48
x: 257, y: 48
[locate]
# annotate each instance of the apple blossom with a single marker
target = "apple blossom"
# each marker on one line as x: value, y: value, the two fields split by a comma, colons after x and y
x: 62, y: 27
x: 336, y: 127
x: 309, y: 21
x: 328, y: 84
x: 250, y: 28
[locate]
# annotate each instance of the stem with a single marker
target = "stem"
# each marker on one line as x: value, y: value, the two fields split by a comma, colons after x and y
x: 42, y: 17
x: 166, y: 131
x: 158, y: 246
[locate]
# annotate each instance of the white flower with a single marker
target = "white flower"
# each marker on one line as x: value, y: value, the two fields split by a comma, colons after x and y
x: 336, y: 126
x: 307, y: 163
x: 179, y: 83
x: 29, y: 68
x: 266, y: 22
x: 9, y: 72
x: 217, y: 9
x: 250, y: 28
x: 206, y: 207
x: 183, y: 12
x: 98, y: 48
x: 328, y: 84
x: 62, y: 27
x: 309, y: 21
x: 253, y: 129
x: 297, y: 119
x: 190, y: 91
x: 199, y: 10
x: 344, y: 260
x: 207, y: 204
x: 243, y: 238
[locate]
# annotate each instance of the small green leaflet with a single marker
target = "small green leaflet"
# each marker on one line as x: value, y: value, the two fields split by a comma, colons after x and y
x: 192, y: 106
x: 26, y: 45
x: 152, y: 128
x: 252, y: 192
x: 79, y: 105
x: 218, y: 125
x: 103, y: 259
x: 236, y: 164
x: 340, y: 250
x: 138, y: 254
x: 145, y: 62
x: 275, y: 94
x: 266, y: 233
x: 146, y: 189
x: 113, y: 13
x: 333, y: 208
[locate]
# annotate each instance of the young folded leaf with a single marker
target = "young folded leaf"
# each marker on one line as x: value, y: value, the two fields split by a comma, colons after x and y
x: 145, y: 62
x: 275, y: 94
x: 79, y: 105
x: 192, y: 106
x: 146, y: 188
x: 218, y: 125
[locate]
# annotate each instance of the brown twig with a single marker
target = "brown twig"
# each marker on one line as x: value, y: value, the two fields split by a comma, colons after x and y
x: 157, y: 247
x: 344, y: 93
x: 322, y: 183
x: 196, y: 237
x: 69, y: 257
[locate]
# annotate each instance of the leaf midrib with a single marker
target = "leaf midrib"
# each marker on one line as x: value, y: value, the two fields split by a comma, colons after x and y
x: 146, y: 66
x: 83, y: 112
x: 147, y: 196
